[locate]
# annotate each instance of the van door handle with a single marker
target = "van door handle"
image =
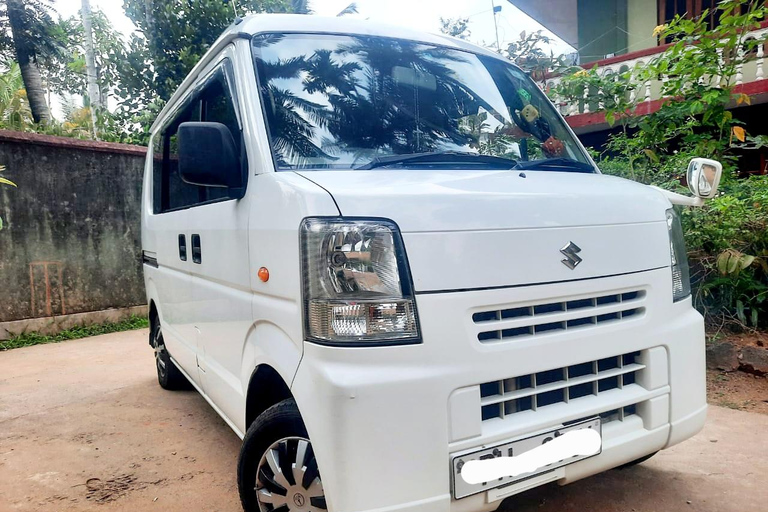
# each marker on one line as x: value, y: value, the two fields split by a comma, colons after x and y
x: 183, y: 247
x: 197, y: 254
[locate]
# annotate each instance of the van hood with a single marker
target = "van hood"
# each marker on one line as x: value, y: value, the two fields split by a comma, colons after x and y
x: 505, y: 228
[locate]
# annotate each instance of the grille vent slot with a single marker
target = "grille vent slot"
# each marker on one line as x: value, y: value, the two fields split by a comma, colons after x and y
x: 502, y: 398
x: 523, y: 321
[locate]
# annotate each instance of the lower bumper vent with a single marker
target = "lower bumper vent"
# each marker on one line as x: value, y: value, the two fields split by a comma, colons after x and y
x: 502, y: 398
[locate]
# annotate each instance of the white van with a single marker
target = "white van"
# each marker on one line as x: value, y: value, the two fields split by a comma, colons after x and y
x: 381, y: 254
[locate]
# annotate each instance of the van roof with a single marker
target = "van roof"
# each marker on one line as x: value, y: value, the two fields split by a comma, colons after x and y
x: 302, y: 23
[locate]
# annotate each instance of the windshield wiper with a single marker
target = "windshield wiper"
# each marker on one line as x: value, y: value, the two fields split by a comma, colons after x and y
x: 439, y: 157
x: 555, y: 164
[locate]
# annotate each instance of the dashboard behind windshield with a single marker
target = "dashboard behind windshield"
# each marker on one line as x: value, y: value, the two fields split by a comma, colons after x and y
x: 344, y: 101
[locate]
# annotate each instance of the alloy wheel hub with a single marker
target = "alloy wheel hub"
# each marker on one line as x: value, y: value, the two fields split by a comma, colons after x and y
x: 288, y: 479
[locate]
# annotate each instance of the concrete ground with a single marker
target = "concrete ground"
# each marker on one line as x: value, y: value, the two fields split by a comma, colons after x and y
x: 84, y: 426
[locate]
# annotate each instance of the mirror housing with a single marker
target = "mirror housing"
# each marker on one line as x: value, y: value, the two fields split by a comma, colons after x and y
x: 704, y: 177
x: 208, y: 155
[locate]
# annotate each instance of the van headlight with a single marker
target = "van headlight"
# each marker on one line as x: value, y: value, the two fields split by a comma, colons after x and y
x: 681, y: 276
x: 357, y: 285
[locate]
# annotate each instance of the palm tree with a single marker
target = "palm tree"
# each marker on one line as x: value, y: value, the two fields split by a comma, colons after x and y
x: 30, y: 24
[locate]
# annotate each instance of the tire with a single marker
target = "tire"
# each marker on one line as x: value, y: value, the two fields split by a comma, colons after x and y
x: 637, y: 461
x: 277, y: 440
x: 168, y: 376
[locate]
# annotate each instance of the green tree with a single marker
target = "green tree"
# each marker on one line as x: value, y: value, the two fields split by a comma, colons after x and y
x: 177, y: 33
x: 67, y: 75
x: 27, y: 32
x: 173, y: 36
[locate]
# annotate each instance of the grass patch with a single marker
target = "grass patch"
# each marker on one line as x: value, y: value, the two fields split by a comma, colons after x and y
x: 83, y: 331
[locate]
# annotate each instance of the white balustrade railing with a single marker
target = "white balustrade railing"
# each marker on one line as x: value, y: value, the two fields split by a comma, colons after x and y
x: 750, y: 68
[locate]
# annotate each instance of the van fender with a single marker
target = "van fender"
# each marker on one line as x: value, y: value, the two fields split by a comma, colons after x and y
x: 267, y: 343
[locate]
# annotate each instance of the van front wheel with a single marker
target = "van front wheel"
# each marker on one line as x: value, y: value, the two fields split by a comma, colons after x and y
x: 277, y: 469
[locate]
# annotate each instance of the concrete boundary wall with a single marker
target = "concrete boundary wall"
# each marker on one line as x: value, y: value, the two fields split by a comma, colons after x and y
x: 71, y: 240
x: 55, y: 324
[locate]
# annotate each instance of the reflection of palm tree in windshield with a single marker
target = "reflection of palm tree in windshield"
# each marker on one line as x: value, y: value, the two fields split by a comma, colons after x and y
x: 293, y: 133
x: 324, y: 74
x: 378, y: 96
x: 410, y: 98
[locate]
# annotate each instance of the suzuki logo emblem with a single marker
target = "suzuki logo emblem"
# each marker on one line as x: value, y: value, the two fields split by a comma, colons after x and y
x: 570, y: 252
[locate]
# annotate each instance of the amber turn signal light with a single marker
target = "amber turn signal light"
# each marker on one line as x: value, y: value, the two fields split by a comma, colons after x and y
x: 264, y: 274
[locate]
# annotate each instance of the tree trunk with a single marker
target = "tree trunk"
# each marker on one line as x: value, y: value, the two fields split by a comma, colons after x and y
x: 33, y: 82
x: 91, y: 76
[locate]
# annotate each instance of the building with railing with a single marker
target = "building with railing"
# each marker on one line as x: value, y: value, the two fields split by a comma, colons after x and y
x: 617, y: 35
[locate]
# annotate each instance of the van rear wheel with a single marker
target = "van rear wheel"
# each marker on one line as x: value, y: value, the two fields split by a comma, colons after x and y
x: 277, y: 469
x: 168, y: 376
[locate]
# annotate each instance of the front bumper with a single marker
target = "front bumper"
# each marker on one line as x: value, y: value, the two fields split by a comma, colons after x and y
x: 385, y: 422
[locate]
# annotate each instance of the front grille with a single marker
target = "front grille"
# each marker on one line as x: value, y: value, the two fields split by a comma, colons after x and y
x: 532, y: 320
x: 502, y: 398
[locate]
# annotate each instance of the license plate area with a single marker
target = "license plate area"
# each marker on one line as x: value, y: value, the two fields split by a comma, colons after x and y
x: 461, y: 489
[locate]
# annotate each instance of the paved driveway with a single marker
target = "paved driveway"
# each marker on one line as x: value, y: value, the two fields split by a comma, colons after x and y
x: 84, y: 426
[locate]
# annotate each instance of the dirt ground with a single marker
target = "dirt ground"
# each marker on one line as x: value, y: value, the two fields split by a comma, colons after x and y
x: 84, y: 426
x: 739, y: 390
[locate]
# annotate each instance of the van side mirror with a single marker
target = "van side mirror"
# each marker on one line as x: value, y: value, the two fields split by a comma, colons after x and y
x: 704, y: 177
x: 208, y: 156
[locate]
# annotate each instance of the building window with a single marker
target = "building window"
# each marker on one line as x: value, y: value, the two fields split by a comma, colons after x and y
x: 690, y: 9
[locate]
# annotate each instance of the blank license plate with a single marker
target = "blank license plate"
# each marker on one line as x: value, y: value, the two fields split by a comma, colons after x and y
x: 462, y: 489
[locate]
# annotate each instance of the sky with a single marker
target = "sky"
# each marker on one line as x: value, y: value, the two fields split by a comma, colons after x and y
x: 417, y: 14
x: 421, y: 15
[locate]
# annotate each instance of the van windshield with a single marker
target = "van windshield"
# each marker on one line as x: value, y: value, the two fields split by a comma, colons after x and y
x: 362, y: 102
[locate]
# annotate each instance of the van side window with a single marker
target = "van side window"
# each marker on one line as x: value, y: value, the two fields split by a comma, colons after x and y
x: 212, y: 101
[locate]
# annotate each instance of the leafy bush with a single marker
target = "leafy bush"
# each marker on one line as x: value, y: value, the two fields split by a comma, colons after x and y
x: 727, y: 241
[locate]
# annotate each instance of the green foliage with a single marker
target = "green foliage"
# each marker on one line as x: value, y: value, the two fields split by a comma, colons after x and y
x: 727, y: 242
x: 36, y: 33
x: 174, y: 35
x: 14, y: 107
x: 84, y: 331
x: 67, y: 74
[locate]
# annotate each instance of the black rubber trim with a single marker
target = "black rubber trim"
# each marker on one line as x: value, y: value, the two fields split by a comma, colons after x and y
x: 502, y: 287
x: 148, y: 260
x: 362, y: 344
